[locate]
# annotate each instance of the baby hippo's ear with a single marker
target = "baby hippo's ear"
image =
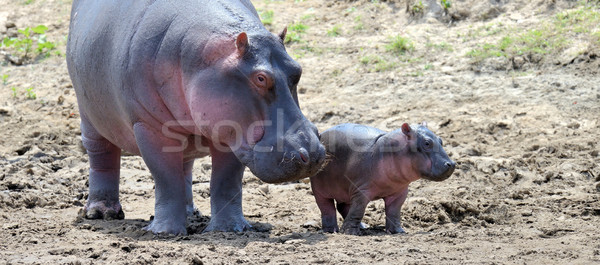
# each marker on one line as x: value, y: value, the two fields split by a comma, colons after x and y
x: 407, y: 131
x: 424, y: 124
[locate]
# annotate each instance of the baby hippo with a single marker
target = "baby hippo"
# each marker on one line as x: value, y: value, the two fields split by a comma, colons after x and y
x: 368, y: 164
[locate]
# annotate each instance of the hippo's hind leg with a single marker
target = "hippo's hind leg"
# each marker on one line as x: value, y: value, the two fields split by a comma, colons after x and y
x: 343, y: 208
x: 226, y: 193
x: 352, y: 222
x: 189, y: 198
x: 393, y: 204
x: 105, y: 159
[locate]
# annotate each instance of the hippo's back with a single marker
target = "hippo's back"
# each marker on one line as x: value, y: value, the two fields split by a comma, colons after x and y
x: 113, y: 48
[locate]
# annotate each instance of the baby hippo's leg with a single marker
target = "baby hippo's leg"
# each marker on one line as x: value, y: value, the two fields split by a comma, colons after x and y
x: 189, y: 199
x: 352, y: 224
x: 343, y: 209
x: 393, y: 204
x: 328, y: 216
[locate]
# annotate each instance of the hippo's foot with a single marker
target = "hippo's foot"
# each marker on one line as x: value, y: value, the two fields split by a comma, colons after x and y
x: 158, y: 227
x: 103, y: 210
x: 236, y: 224
x: 395, y: 230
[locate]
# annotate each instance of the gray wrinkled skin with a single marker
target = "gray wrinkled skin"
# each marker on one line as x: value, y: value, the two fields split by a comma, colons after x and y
x: 176, y: 80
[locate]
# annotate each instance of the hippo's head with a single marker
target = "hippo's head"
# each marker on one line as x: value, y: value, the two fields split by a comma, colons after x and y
x: 244, y: 100
x: 428, y: 156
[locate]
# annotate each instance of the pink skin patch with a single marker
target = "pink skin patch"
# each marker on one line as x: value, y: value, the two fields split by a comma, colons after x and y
x: 395, y: 174
x: 258, y: 133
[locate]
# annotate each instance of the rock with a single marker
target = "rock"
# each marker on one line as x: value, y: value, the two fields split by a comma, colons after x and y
x: 10, y: 226
x: 5, y: 111
x: 264, y: 189
x: 10, y: 24
x: 310, y: 224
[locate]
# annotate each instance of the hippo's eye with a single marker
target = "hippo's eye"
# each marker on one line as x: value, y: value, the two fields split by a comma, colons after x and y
x: 262, y: 80
x: 428, y: 144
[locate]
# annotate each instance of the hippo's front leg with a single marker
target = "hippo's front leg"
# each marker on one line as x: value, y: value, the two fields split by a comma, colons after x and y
x: 226, y: 193
x: 358, y: 205
x: 393, y: 205
x: 169, y: 180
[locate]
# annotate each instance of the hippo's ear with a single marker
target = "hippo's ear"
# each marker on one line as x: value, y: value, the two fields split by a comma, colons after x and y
x: 242, y: 43
x: 282, y: 34
x: 424, y: 124
x: 407, y: 130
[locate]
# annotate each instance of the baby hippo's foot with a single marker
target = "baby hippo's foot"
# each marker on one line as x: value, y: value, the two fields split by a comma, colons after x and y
x: 351, y: 229
x: 158, y: 227
x: 238, y: 224
x: 103, y: 210
x: 191, y: 210
x: 329, y: 224
x: 395, y: 230
x: 331, y: 229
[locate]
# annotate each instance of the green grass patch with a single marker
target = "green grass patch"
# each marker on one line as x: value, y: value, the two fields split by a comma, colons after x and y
x: 376, y: 63
x: 335, y: 31
x: 417, y: 8
x: 548, y: 38
x: 446, y: 4
x: 295, y: 32
x: 266, y: 17
x: 358, y: 24
x: 30, y: 93
x: 442, y: 46
x: 400, y: 45
x: 29, y: 43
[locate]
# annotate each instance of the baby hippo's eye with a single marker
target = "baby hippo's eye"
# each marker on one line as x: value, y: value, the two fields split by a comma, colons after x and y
x: 428, y: 144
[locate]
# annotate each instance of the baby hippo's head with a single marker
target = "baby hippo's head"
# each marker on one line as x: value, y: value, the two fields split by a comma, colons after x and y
x: 427, y: 154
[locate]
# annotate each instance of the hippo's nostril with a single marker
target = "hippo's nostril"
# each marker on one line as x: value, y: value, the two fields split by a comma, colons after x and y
x: 303, y: 155
x: 450, y: 164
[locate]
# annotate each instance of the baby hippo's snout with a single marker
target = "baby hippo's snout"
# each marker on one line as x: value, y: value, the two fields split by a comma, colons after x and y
x: 450, y: 165
x: 448, y: 169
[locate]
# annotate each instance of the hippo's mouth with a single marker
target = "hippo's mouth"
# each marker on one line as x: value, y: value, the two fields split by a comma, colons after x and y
x: 440, y: 177
x: 273, y: 166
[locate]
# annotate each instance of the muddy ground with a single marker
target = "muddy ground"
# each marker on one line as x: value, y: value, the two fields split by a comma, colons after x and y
x: 523, y: 128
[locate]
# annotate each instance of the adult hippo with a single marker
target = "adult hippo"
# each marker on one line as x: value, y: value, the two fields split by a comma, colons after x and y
x: 177, y: 80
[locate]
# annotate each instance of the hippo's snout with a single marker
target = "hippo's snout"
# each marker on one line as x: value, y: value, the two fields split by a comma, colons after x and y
x: 293, y: 156
x: 448, y: 169
x: 301, y: 156
x: 450, y: 165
